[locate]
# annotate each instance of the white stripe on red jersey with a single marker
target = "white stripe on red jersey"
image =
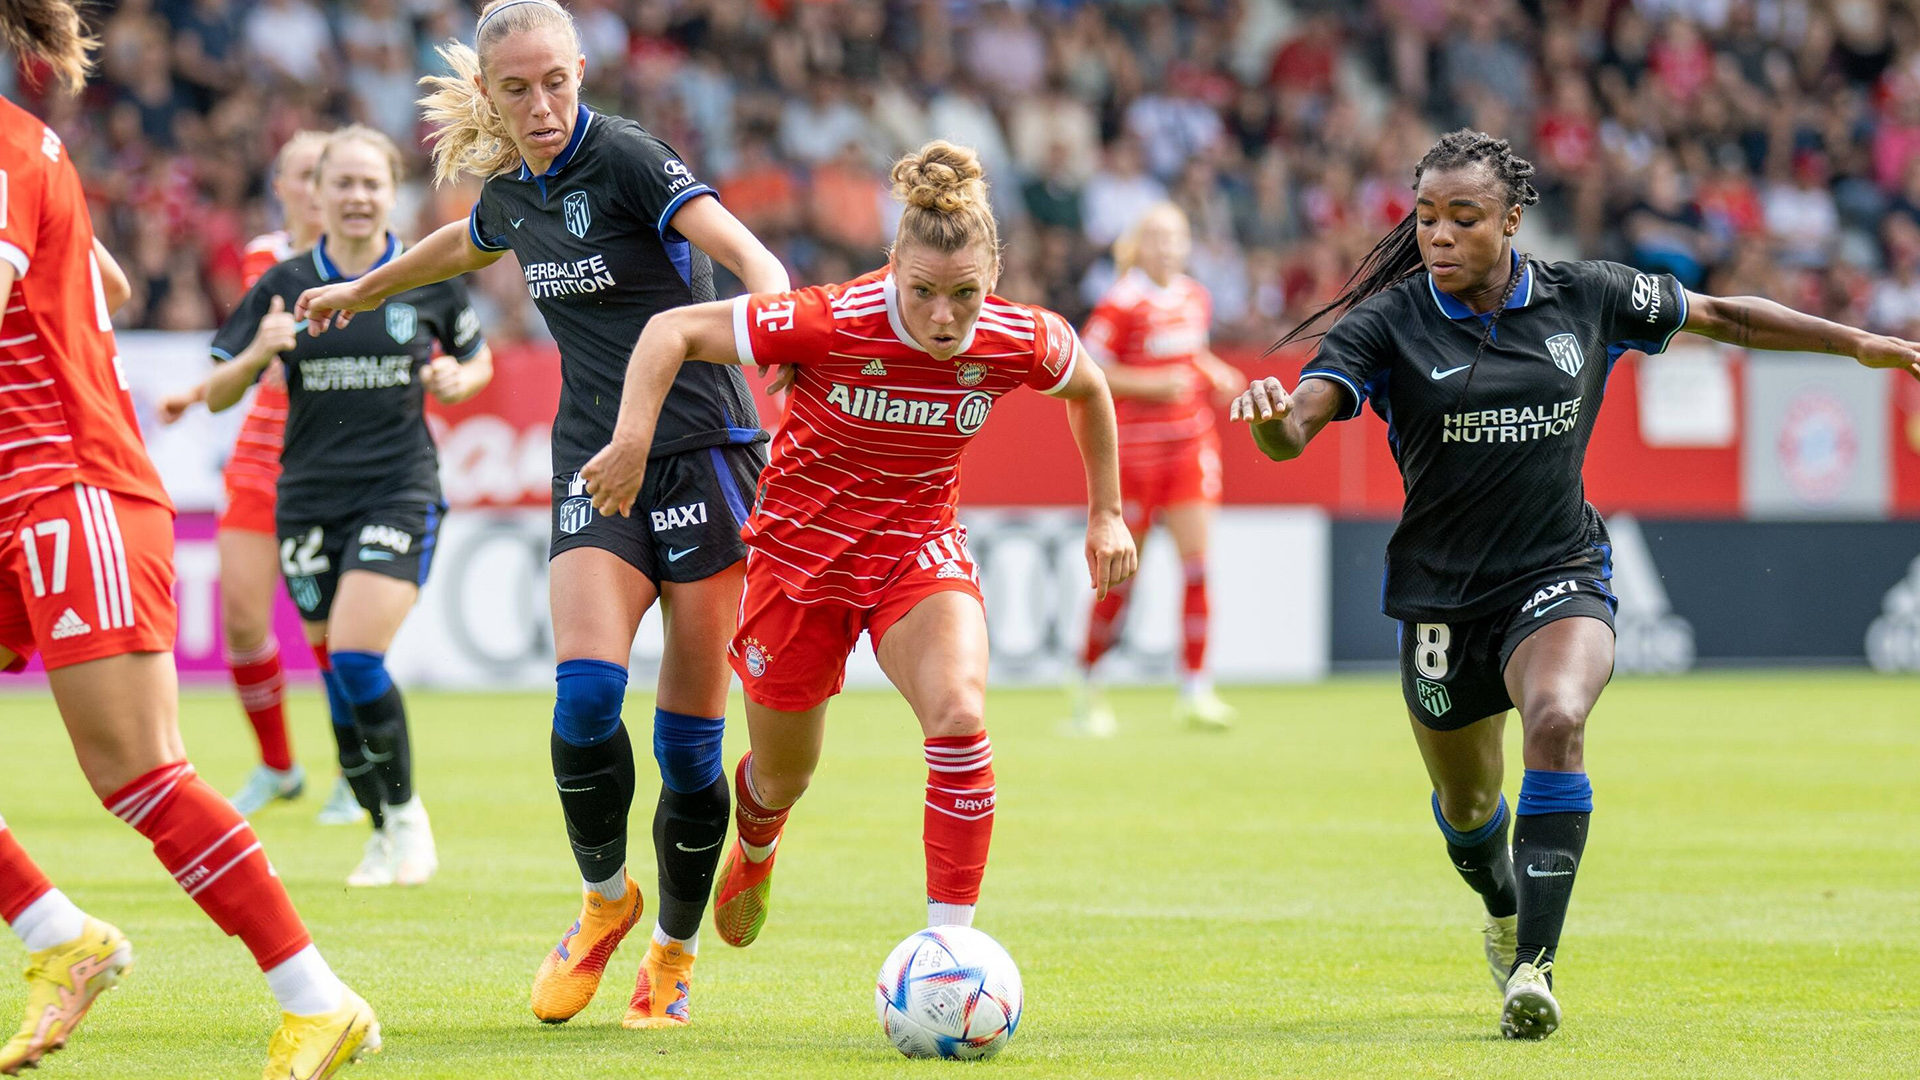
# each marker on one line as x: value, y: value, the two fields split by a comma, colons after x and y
x: 866, y: 466
x: 255, y: 462
x: 1141, y: 324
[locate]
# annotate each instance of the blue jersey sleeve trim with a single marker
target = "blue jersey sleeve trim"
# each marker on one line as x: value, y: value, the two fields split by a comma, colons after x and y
x: 473, y: 232
x: 220, y: 354
x: 743, y: 435
x: 1359, y: 396
x: 1664, y: 342
x: 665, y: 224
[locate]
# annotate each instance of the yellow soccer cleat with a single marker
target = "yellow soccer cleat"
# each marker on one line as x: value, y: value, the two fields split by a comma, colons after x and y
x: 663, y: 995
x: 317, y: 1047
x: 570, y: 975
x: 61, y: 984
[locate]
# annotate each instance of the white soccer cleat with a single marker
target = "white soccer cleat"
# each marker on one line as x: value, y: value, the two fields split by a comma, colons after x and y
x: 1502, y: 943
x: 1093, y: 718
x: 377, y: 863
x: 415, y: 859
x: 267, y: 785
x: 1204, y: 711
x: 1530, y: 1012
x: 341, y: 808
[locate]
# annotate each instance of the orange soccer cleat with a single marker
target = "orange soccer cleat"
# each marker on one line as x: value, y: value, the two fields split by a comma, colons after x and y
x: 663, y: 995
x: 742, y: 894
x: 571, y: 973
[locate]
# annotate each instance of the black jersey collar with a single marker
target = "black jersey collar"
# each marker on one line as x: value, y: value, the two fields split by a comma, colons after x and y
x: 1522, y: 294
x: 582, y: 120
x: 329, y: 272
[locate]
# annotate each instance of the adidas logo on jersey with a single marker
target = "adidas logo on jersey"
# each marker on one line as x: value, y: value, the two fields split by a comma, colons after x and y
x: 874, y: 367
x: 70, y: 625
x: 951, y: 570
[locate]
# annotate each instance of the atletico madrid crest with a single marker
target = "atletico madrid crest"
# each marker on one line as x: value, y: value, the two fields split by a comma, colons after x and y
x: 1566, y: 353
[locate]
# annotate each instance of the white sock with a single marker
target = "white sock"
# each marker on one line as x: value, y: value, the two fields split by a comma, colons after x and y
x: 690, y: 945
x: 304, y: 984
x: 614, y: 888
x: 409, y: 809
x: 939, y: 914
x: 1195, y: 684
x: 49, y: 921
x: 759, y: 852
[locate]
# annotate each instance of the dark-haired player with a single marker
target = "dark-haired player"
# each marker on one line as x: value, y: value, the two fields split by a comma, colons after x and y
x: 610, y: 228
x: 359, y: 503
x: 1489, y: 368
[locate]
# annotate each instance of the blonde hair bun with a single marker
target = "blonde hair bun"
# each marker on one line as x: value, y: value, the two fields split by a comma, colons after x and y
x: 941, y: 177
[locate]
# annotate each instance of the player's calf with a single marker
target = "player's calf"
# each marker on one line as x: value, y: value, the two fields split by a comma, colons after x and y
x: 958, y: 824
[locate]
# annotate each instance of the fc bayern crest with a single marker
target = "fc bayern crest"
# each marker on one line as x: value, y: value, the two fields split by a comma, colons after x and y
x: 402, y: 322
x: 575, y: 514
x: 971, y: 373
x: 579, y: 215
x: 757, y: 658
x: 1566, y: 353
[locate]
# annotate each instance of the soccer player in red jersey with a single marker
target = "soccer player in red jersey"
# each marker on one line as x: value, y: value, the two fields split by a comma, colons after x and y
x: 86, y: 579
x: 1149, y: 334
x: 249, y: 554
x: 855, y: 528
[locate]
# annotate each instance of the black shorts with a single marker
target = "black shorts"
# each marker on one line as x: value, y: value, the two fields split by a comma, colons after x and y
x: 686, y: 522
x: 1454, y: 674
x: 393, y: 539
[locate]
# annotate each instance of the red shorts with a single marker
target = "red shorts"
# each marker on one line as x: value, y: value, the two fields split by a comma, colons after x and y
x: 87, y: 574
x: 249, y: 509
x: 792, y: 656
x: 1154, y: 476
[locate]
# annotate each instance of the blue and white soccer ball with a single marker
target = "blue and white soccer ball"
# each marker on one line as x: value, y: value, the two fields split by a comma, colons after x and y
x: 950, y: 992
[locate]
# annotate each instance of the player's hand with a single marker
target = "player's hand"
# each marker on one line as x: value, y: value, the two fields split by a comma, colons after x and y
x: 275, y: 333
x: 614, y: 476
x: 1223, y: 381
x: 1265, y: 400
x: 1111, y: 556
x: 172, y: 407
x: 446, y: 380
x: 327, y: 306
x: 1890, y: 352
x: 782, y: 378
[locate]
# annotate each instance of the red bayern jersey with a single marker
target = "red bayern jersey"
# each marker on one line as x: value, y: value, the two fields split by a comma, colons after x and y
x: 1141, y: 324
x: 255, y: 462
x: 65, y: 414
x: 866, y: 465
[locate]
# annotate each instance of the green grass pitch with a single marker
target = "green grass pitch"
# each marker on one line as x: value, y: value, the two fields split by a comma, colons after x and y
x: 1272, y: 902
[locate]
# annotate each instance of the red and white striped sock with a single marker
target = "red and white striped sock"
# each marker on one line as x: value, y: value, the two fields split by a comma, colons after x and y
x: 214, y: 855
x: 21, y: 882
x: 758, y: 827
x: 262, y: 688
x: 1104, y: 623
x: 958, y: 826
x: 1194, y: 619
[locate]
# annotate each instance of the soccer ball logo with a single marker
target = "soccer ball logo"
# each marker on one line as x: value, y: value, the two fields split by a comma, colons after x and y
x: 950, y: 992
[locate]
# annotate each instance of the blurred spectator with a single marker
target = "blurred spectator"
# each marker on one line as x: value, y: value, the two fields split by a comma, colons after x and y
x: 1118, y: 194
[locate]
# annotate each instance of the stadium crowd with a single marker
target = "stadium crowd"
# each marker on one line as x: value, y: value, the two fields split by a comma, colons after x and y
x: 1759, y: 146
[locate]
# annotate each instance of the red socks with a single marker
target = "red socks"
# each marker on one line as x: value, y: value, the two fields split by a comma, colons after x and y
x: 1193, y: 624
x: 21, y: 882
x: 959, y: 816
x: 257, y: 676
x: 214, y: 855
x: 756, y: 824
x: 1103, y: 625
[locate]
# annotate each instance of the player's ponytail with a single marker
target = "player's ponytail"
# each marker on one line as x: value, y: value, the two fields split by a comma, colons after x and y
x: 50, y: 31
x: 1397, y: 256
x: 945, y: 192
x: 471, y: 136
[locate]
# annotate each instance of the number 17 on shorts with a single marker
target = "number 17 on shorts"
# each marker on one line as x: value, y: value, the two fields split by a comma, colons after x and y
x: 87, y: 574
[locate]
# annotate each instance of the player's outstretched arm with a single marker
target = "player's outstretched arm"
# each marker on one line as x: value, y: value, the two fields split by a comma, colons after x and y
x: 1282, y: 423
x: 447, y: 253
x: 114, y: 288
x: 229, y: 381
x: 671, y: 338
x: 1111, y: 556
x: 1751, y: 322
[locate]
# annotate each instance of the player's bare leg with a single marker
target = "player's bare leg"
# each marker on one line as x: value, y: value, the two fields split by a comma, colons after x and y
x: 776, y: 771
x: 1191, y: 526
x: 1093, y: 716
x: 121, y: 713
x: 597, y: 600
x: 249, y: 580
x: 1466, y: 766
x: 690, y: 820
x: 937, y: 656
x: 368, y: 609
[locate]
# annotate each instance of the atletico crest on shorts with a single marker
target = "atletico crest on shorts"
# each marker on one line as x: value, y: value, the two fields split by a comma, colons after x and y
x: 1566, y: 353
x: 402, y: 322
x: 579, y: 215
x: 1434, y: 697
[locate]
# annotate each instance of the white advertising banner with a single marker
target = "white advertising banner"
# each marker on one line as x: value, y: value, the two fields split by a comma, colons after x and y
x: 483, y: 621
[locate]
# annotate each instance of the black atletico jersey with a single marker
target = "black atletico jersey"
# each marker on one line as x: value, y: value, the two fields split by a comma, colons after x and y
x: 594, y: 238
x: 356, y: 421
x: 1491, y: 453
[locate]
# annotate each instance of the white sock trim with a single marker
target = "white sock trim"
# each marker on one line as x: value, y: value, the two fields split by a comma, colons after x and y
x: 49, y: 921
x: 690, y: 945
x: 304, y: 985
x: 614, y: 888
x: 939, y: 914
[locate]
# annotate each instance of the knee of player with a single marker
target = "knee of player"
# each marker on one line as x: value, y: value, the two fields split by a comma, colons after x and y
x: 243, y: 626
x: 587, y: 699
x: 363, y: 675
x: 1556, y: 727
x: 778, y: 784
x: 958, y: 715
x: 1466, y: 807
x: 687, y: 748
